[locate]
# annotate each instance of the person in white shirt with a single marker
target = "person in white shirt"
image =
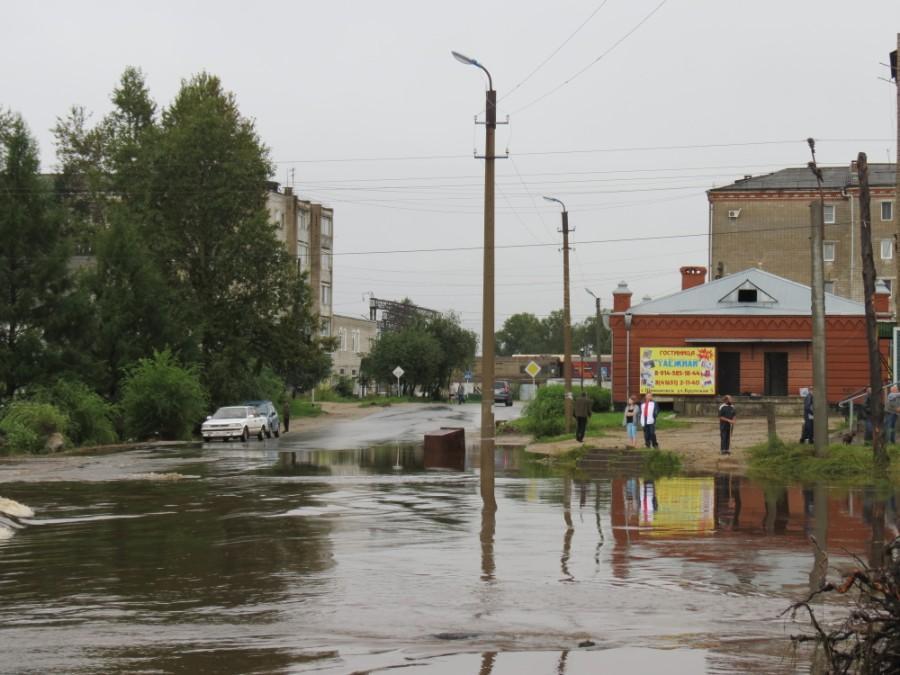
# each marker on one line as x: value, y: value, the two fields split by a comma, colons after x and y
x: 649, y: 411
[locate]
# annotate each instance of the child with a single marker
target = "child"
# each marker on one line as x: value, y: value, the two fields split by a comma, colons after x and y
x: 629, y: 421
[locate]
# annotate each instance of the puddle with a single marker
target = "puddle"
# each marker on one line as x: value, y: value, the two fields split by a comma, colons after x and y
x: 335, y: 562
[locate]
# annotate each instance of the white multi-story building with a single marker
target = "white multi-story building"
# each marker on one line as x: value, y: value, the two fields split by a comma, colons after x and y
x: 307, y: 231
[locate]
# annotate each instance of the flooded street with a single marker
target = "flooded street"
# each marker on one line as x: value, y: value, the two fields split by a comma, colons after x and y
x: 284, y: 559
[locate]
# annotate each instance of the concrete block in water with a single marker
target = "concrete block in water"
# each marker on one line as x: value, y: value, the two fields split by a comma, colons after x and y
x: 446, y: 449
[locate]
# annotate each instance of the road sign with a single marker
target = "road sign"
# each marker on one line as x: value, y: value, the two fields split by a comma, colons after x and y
x: 467, y: 376
x: 398, y: 372
x: 532, y: 369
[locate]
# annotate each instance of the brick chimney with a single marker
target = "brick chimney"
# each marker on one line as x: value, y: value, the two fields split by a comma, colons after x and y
x: 882, y: 299
x: 621, y: 297
x: 692, y: 275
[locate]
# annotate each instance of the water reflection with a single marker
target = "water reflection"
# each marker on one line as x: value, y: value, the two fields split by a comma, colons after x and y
x: 333, y: 561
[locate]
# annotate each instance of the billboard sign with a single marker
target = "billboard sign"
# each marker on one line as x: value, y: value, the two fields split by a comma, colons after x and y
x: 678, y: 370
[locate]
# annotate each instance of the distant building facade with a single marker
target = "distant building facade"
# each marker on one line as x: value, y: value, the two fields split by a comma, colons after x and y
x: 764, y: 221
x: 355, y: 337
x: 307, y: 231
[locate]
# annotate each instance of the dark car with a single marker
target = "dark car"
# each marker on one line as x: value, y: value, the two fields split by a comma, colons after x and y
x: 267, y: 410
x: 503, y: 392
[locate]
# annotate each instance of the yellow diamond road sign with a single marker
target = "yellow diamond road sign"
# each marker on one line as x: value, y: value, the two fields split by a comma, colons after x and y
x: 532, y: 369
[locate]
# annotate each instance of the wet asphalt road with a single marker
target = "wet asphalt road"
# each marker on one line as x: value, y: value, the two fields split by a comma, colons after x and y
x: 407, y: 423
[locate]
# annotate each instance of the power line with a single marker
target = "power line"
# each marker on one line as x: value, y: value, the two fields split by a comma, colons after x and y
x: 555, y: 51
x: 592, y: 63
x: 586, y: 242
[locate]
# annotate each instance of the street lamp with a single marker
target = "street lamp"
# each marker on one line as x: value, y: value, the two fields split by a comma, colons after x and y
x: 487, y: 325
x: 567, y: 316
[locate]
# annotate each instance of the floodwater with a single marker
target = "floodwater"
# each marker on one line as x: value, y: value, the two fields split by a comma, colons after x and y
x: 328, y: 561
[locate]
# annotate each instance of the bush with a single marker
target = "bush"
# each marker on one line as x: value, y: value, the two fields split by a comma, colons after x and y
x: 545, y: 414
x: 159, y: 397
x: 28, y: 424
x: 91, y: 418
x: 344, y: 387
x: 601, y: 399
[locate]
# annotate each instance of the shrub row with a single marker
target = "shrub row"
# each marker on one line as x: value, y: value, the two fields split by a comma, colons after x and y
x: 545, y: 415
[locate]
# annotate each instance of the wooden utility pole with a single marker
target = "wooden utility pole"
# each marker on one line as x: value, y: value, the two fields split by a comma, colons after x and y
x: 876, y: 413
x: 817, y: 242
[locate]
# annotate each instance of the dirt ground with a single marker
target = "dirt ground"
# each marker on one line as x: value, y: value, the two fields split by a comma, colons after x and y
x: 334, y: 412
x: 697, y: 444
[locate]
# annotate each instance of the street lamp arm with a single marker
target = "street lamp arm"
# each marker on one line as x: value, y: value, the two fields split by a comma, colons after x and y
x: 558, y: 201
x: 462, y: 58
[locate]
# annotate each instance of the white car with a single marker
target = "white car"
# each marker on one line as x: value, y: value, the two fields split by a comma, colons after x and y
x: 234, y: 421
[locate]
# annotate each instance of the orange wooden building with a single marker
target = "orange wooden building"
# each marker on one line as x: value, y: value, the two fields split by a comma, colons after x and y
x: 760, y: 326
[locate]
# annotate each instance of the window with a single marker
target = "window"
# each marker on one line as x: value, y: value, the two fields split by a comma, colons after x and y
x: 303, y: 256
x: 829, y: 214
x: 829, y: 287
x: 342, y: 339
x: 326, y: 225
x: 887, y: 249
x: 829, y: 248
x: 342, y: 371
x: 887, y: 210
x: 746, y: 295
x: 303, y: 221
x: 354, y: 342
x: 326, y: 261
x: 889, y: 283
x: 326, y: 296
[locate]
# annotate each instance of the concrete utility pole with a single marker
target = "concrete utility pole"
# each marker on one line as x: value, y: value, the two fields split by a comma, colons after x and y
x: 820, y: 393
x: 895, y: 75
x: 876, y: 413
x: 567, y: 317
x: 598, y: 335
x: 487, y: 324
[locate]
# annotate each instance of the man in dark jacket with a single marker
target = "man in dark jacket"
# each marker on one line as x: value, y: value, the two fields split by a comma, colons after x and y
x: 807, y: 433
x: 582, y: 412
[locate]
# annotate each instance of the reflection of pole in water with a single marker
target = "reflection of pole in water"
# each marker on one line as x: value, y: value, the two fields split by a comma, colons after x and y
x: 487, y: 663
x: 488, y: 527
x: 876, y: 546
x: 600, y: 540
x: 819, y: 537
x: 398, y: 466
x: 561, y: 664
x: 570, y: 530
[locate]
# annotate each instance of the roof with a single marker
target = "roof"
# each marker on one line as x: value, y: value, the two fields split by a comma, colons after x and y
x: 801, y: 178
x: 775, y: 296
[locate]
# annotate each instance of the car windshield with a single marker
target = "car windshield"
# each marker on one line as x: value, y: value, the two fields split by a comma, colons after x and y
x: 226, y: 413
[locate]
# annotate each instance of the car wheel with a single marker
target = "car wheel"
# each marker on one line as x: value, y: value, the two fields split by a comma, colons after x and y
x: 245, y: 435
x: 207, y: 439
x: 268, y: 433
x: 277, y: 431
x: 508, y: 403
x: 262, y: 433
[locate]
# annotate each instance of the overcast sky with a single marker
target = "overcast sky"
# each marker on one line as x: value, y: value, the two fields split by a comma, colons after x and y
x: 364, y: 109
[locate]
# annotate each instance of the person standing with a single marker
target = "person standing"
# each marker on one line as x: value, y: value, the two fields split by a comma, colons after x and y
x: 649, y: 411
x: 286, y: 415
x: 582, y: 412
x: 630, y: 420
x: 726, y: 425
x: 460, y: 394
x: 807, y: 433
x: 892, y: 408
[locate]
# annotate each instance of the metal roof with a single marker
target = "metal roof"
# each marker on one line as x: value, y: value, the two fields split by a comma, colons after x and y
x: 776, y: 296
x: 801, y: 178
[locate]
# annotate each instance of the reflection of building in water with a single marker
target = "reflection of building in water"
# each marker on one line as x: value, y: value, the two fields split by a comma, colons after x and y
x: 666, y: 512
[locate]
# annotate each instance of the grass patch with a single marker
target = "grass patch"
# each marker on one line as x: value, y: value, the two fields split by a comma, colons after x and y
x: 844, y: 464
x: 303, y: 408
x: 659, y: 463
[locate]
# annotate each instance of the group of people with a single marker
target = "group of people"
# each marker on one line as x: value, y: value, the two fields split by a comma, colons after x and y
x: 642, y: 415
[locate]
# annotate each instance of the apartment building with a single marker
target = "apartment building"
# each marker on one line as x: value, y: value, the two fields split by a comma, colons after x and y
x: 764, y: 222
x: 355, y: 337
x: 307, y: 231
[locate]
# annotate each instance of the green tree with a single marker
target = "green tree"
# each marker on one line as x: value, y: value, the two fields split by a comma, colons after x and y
x: 521, y: 333
x: 457, y: 349
x: 34, y: 276
x: 414, y: 349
